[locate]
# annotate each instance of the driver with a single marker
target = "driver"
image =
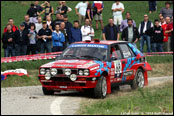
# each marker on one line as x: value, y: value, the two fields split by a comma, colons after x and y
x: 113, y: 53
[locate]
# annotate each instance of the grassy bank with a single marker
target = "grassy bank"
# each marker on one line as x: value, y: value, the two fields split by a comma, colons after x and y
x: 143, y: 101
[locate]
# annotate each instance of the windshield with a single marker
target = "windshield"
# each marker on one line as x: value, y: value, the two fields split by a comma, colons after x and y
x: 89, y: 51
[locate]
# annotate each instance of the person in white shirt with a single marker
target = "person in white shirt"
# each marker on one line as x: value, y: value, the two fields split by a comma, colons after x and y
x: 48, y: 18
x: 82, y: 6
x: 87, y: 31
x: 118, y: 9
x: 38, y: 24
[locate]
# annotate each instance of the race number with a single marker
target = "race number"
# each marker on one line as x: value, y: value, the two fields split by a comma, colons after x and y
x: 118, y: 67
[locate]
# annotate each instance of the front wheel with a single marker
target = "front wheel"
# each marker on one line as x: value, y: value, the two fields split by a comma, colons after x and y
x: 138, y: 81
x: 47, y: 92
x: 100, y: 91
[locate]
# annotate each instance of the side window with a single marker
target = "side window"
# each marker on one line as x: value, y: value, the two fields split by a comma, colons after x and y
x: 132, y: 53
x: 125, y: 50
x: 116, y: 52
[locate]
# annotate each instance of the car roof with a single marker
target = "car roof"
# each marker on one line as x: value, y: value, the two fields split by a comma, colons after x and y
x: 106, y: 42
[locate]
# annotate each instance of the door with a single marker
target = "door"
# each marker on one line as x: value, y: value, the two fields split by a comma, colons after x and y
x: 117, y: 63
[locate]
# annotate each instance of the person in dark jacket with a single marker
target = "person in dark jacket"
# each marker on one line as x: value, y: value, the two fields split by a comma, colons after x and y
x: 157, y: 37
x: 33, y: 13
x: 111, y: 31
x: 75, y: 34
x: 143, y: 27
x: 131, y: 33
x: 21, y: 40
x: 8, y: 42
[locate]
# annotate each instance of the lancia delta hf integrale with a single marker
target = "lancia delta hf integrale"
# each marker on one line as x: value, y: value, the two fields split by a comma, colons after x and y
x: 97, y: 66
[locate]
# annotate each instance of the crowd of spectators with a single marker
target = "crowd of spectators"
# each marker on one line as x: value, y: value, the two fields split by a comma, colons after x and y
x: 37, y: 34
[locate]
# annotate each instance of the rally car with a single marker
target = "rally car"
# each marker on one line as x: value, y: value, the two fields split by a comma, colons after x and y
x: 95, y: 65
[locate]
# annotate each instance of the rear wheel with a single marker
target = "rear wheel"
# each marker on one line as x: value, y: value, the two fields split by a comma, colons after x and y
x: 47, y: 92
x: 138, y: 81
x: 100, y: 91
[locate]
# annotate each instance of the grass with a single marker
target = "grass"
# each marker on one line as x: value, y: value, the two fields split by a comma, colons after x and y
x: 143, y: 101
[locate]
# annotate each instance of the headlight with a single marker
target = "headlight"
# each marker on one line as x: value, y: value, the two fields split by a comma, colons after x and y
x: 80, y: 72
x: 42, y: 71
x: 73, y: 77
x: 67, y: 72
x: 53, y: 71
x: 86, y: 72
x: 47, y: 76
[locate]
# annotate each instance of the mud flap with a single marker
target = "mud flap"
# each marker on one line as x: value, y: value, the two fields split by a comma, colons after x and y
x: 147, y: 67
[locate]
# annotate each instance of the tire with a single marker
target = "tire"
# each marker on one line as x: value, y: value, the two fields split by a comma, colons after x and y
x: 47, y: 92
x: 138, y: 81
x: 100, y: 91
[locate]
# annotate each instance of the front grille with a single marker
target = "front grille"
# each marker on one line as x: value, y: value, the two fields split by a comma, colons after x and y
x: 56, y: 83
x: 61, y: 79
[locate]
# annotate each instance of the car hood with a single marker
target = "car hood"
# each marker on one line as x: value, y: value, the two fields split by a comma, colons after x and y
x: 70, y: 64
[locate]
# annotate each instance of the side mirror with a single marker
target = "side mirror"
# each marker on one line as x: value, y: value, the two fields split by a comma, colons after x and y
x: 138, y: 56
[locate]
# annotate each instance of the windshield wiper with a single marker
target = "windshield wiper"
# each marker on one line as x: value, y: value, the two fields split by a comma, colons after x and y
x: 71, y: 56
x: 87, y: 56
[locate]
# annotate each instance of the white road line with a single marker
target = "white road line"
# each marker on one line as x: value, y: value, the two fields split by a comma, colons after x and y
x: 55, y: 106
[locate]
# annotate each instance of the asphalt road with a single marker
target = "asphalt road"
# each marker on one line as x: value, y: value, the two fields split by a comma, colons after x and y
x: 30, y: 100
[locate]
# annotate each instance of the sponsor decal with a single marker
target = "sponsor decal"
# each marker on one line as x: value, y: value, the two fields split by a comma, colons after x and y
x: 62, y: 65
x: 71, y: 61
x: 128, y: 73
x: 94, y: 68
x: 89, y: 45
x: 89, y: 64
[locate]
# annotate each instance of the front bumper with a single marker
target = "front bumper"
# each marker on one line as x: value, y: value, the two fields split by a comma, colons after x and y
x: 64, y: 83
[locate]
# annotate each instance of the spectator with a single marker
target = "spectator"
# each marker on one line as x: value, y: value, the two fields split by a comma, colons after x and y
x: 8, y: 42
x: 32, y: 12
x: 167, y: 11
x: 166, y: 40
x: 64, y: 31
x: 11, y: 22
x: 124, y: 23
x: 152, y: 6
x: 118, y: 9
x: 130, y: 33
x: 48, y: 19
x: 32, y: 47
x: 89, y: 13
x: 162, y: 21
x: 38, y: 7
x: 98, y: 6
x: 87, y: 31
x: 64, y: 8
x: 58, y: 40
x: 156, y: 34
x: 38, y: 24
x: 58, y: 20
x: 68, y: 25
x: 169, y: 31
x: 111, y: 31
x: 21, y: 40
x: 38, y: 27
x: 49, y: 10
x: 143, y: 27
x: 27, y: 22
x: 82, y: 6
x: 59, y: 7
x: 44, y: 37
x: 75, y: 34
